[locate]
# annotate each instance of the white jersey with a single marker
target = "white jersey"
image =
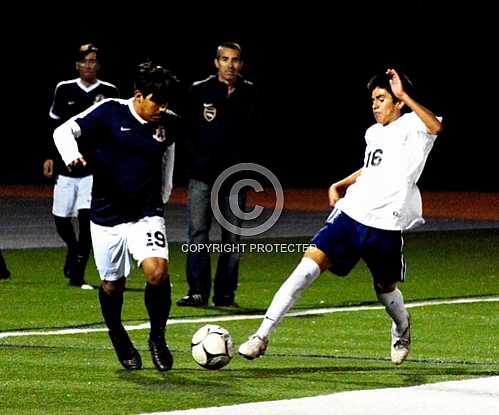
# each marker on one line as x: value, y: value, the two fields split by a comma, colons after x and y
x: 385, y: 195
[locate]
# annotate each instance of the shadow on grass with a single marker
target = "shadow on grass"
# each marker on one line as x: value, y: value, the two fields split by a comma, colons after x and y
x: 336, y: 378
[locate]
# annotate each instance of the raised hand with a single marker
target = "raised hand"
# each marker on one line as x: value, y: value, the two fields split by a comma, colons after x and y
x: 395, y: 83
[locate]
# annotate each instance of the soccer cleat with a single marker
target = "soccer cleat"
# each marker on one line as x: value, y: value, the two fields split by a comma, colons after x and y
x: 160, y: 354
x: 194, y: 300
x: 254, y: 347
x: 401, y: 345
x: 127, y: 354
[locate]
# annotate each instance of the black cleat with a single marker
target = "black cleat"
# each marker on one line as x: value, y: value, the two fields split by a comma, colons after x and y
x: 4, y: 275
x: 194, y: 300
x: 127, y: 354
x: 161, y: 355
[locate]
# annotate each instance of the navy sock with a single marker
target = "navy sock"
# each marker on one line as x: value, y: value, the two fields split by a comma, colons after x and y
x: 111, y: 306
x: 66, y: 231
x: 158, y: 301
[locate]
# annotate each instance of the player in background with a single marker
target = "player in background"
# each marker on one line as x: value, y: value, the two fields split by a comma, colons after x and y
x: 371, y: 208
x: 73, y: 188
x: 130, y: 147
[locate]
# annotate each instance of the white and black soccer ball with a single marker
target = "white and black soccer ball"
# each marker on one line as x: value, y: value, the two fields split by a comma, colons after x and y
x: 211, y: 347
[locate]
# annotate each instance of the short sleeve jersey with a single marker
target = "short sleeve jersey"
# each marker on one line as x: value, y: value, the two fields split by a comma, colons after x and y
x: 71, y: 98
x: 126, y: 154
x: 385, y: 195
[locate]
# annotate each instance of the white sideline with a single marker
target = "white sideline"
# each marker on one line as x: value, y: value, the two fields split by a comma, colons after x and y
x: 464, y: 397
x: 311, y: 312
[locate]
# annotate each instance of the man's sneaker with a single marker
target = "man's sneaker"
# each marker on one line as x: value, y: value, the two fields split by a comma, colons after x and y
x: 194, y: 300
x: 401, y: 346
x: 161, y: 355
x: 127, y: 354
x: 254, y: 347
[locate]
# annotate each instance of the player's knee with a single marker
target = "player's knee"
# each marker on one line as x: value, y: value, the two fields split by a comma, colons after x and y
x: 157, y: 275
x: 114, y: 287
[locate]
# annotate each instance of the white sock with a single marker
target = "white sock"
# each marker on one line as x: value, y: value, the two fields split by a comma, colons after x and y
x: 302, y: 277
x: 394, y: 306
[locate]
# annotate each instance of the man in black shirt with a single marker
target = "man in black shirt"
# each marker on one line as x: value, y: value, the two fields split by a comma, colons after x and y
x: 73, y: 188
x: 220, y: 117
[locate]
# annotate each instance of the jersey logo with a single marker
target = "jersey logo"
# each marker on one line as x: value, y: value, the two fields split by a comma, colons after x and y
x: 71, y: 102
x: 98, y: 98
x: 209, y: 112
x: 124, y: 129
x: 160, y: 134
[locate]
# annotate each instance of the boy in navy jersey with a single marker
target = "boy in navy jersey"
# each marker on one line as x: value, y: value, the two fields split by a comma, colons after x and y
x: 129, y: 145
x: 372, y: 207
x: 73, y: 188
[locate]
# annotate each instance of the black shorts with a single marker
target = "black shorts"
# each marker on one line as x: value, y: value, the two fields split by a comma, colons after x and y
x: 345, y: 241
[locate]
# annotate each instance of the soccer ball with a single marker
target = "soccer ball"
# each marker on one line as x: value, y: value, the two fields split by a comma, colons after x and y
x: 211, y: 347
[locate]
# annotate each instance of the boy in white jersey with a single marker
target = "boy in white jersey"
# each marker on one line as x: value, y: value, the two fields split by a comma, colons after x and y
x: 371, y: 208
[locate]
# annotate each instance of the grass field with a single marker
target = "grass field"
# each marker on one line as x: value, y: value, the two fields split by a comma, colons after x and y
x: 312, y: 355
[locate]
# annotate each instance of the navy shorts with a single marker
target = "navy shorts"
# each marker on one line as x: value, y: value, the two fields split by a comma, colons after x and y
x: 345, y: 241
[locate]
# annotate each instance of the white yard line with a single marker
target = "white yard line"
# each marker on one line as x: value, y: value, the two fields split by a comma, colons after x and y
x: 311, y: 312
x: 465, y: 397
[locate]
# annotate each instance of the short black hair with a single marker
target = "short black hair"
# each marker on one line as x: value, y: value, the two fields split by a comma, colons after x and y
x: 382, y: 80
x: 229, y: 45
x: 84, y: 50
x: 156, y: 80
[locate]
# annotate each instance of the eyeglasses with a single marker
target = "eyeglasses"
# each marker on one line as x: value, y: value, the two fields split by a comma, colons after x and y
x: 88, y: 62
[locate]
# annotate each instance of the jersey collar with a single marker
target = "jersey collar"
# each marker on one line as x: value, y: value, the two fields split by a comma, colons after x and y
x: 134, y: 113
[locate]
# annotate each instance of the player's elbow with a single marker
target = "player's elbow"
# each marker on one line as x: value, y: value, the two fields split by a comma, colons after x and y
x: 436, y: 129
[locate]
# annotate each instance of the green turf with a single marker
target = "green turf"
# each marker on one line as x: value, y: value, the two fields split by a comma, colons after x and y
x: 308, y: 355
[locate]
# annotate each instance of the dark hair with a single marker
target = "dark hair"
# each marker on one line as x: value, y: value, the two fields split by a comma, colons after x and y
x: 156, y: 80
x: 382, y: 80
x: 229, y: 45
x: 84, y: 50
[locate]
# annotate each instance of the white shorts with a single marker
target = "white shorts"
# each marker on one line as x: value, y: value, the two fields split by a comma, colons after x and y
x: 71, y: 194
x: 114, y: 246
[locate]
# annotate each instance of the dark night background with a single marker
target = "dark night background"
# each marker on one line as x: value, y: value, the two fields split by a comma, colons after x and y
x: 310, y: 64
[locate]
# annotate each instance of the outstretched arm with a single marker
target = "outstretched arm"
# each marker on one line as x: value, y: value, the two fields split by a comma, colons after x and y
x: 432, y: 123
x: 338, y: 189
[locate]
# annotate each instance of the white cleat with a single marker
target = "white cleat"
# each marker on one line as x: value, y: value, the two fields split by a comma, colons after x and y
x: 86, y: 287
x: 254, y: 347
x: 401, y: 345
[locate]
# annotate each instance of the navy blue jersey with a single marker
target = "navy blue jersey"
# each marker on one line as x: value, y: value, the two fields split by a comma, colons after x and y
x: 125, y: 153
x: 71, y: 98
